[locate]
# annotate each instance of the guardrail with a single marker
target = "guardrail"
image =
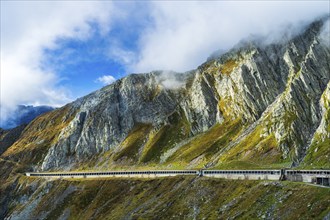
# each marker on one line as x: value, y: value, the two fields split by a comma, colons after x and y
x: 149, y: 173
x: 244, y: 174
x: 320, y: 177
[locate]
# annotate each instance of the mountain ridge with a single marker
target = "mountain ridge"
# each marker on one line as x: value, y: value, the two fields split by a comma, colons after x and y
x: 267, y: 98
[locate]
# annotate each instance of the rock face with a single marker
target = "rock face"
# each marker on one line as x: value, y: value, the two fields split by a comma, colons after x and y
x: 263, y: 103
x: 105, y: 118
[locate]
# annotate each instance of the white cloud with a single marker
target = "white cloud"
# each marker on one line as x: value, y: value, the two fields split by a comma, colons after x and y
x: 170, y: 80
x: 106, y: 79
x: 172, y: 36
x: 185, y: 33
x: 121, y: 55
x: 29, y: 27
x: 325, y: 33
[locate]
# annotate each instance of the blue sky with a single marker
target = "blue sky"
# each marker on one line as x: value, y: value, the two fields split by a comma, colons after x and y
x: 81, y: 63
x: 53, y: 52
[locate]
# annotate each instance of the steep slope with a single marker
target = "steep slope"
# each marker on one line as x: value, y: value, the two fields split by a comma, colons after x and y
x: 255, y: 106
x: 9, y: 137
x: 292, y: 118
x: 170, y: 198
x: 318, y: 154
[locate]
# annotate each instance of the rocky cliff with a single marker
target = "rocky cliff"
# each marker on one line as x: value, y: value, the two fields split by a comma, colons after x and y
x: 257, y: 105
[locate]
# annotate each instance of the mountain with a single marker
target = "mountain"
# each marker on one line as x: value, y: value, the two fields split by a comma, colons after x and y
x: 24, y: 114
x: 256, y: 106
x: 8, y: 137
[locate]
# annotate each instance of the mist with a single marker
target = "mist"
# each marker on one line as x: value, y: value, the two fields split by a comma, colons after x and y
x: 325, y: 33
x: 185, y: 34
x: 170, y: 80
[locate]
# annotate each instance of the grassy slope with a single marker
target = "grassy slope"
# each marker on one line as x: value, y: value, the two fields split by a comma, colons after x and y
x: 38, y: 137
x: 166, y: 138
x: 177, y: 197
x: 134, y: 141
x: 318, y: 155
x: 207, y: 143
x: 254, y: 151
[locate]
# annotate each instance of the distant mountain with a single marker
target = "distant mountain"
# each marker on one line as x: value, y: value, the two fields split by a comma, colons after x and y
x: 24, y: 114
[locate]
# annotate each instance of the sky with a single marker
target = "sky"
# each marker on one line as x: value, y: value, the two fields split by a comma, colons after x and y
x: 53, y: 52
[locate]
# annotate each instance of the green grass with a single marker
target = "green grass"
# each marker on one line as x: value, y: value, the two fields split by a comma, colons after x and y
x: 177, y: 198
x: 165, y: 138
x: 249, y: 165
x: 129, y: 148
x: 228, y: 66
x: 209, y: 142
x: 256, y: 150
x: 38, y: 136
x: 318, y: 155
